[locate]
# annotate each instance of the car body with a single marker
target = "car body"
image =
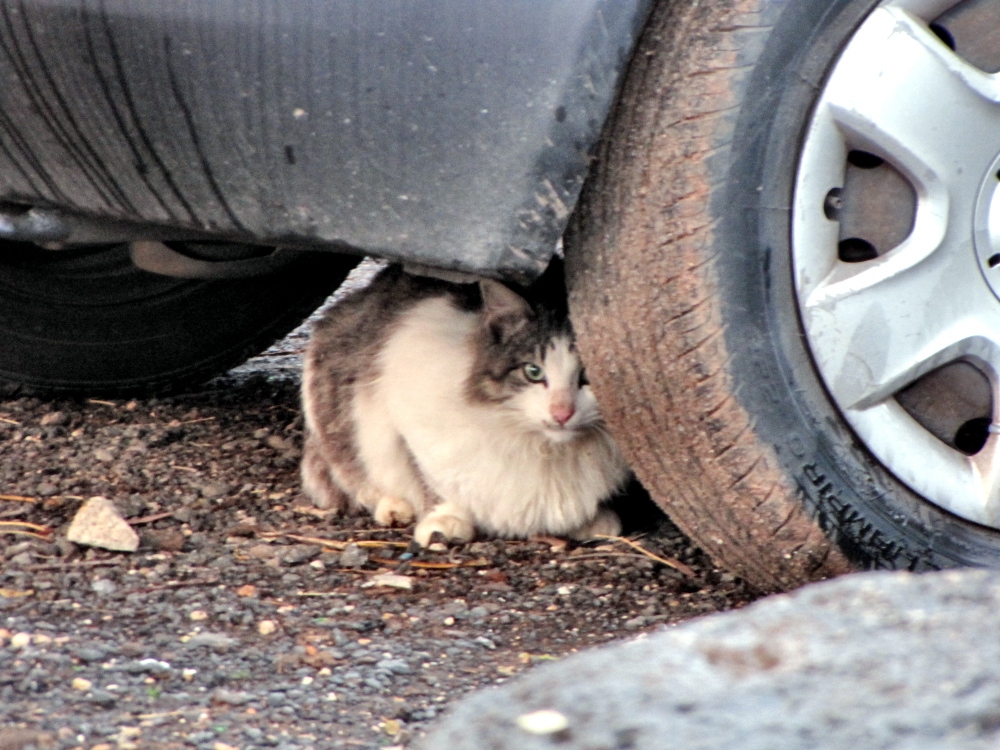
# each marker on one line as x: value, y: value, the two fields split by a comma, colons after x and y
x: 447, y: 133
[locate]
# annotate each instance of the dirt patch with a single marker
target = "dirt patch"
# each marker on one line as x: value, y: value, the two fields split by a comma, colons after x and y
x: 247, y: 618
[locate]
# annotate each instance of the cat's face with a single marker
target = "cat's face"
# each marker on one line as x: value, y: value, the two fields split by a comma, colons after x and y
x: 527, y: 364
x: 555, y: 396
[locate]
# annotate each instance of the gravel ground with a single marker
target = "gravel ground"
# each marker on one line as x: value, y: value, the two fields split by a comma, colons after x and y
x: 247, y: 618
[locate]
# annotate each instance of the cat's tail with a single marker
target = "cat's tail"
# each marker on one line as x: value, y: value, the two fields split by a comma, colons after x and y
x: 317, y: 482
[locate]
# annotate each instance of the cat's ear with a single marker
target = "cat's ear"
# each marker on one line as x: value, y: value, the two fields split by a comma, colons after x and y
x: 505, y: 312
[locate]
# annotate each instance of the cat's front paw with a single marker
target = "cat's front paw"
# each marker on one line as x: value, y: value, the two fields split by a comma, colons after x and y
x: 394, y: 511
x: 454, y: 528
x: 605, y: 523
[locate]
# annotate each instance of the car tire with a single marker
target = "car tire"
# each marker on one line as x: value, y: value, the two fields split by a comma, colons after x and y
x: 687, y: 296
x: 91, y: 322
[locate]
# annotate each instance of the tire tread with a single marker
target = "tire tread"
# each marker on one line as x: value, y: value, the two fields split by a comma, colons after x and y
x: 645, y: 302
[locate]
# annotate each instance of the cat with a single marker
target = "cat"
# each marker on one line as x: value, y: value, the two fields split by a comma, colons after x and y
x: 461, y: 406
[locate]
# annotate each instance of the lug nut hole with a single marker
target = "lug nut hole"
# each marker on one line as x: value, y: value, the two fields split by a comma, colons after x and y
x: 994, y: 260
x: 864, y: 159
x: 971, y: 436
x: 856, y: 250
x: 944, y: 35
x: 832, y: 204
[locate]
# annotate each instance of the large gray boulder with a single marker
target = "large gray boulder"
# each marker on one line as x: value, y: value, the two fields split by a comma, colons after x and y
x: 869, y: 661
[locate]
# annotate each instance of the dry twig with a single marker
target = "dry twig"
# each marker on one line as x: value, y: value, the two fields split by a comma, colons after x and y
x: 18, y: 499
x: 332, y: 543
x: 434, y: 565
x: 27, y: 533
x: 149, y: 519
x: 25, y: 525
x: 668, y: 561
x: 70, y: 565
x: 176, y: 585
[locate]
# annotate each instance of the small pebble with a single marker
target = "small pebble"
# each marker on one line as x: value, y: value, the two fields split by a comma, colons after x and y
x: 218, y: 641
x: 353, y: 557
x: 198, y: 615
x: 103, y: 698
x: 103, y: 454
x: 214, y: 490
x: 53, y: 418
x: 82, y: 684
x: 231, y: 697
x: 103, y: 587
x: 25, y: 558
x: 392, y: 580
x: 266, y: 627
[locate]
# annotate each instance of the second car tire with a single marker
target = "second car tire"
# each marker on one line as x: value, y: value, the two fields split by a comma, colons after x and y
x: 88, y: 321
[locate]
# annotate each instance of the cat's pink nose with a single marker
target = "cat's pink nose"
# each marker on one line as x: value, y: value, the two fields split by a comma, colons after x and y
x: 562, y: 413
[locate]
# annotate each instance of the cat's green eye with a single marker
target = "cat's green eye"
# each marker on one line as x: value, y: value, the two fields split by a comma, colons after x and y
x: 533, y: 373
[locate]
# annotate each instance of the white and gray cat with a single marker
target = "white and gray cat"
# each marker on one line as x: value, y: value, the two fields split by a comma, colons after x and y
x: 464, y: 407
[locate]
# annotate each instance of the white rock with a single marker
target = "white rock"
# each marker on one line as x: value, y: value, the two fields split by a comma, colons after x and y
x: 392, y: 580
x: 20, y: 640
x: 266, y: 627
x: 97, y: 524
x: 103, y: 587
x: 546, y: 721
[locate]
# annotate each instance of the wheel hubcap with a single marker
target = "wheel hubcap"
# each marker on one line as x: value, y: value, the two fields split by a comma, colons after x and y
x: 896, y: 249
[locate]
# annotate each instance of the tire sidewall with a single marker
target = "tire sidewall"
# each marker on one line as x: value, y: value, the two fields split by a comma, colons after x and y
x: 876, y: 521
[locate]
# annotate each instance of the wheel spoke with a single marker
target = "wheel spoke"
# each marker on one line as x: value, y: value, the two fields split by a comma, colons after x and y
x: 879, y: 325
x: 882, y: 336
x: 901, y: 90
x: 960, y: 483
x: 986, y: 467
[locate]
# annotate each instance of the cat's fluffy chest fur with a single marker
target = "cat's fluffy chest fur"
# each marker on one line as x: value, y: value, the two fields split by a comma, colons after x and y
x: 433, y: 422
